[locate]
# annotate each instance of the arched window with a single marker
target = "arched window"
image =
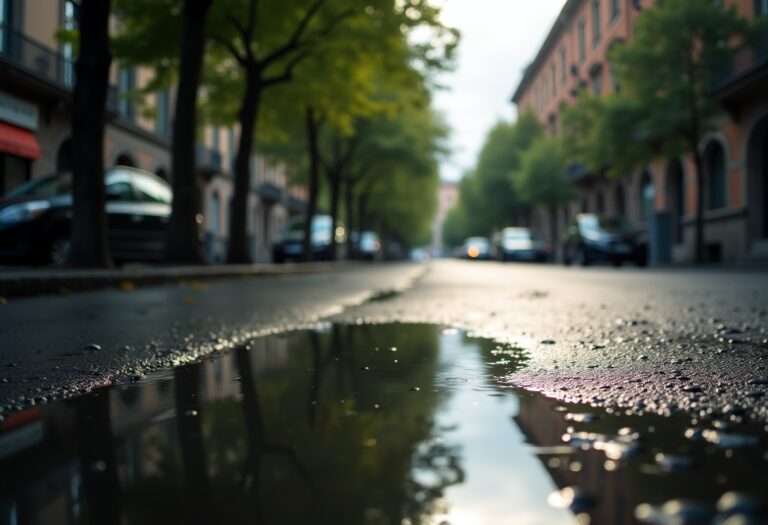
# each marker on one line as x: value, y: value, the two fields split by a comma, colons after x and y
x: 715, y: 176
x: 600, y: 202
x: 215, y: 214
x: 647, y: 196
x: 124, y: 159
x: 676, y: 198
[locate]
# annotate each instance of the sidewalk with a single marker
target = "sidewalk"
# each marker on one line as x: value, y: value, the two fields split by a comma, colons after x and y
x: 24, y: 282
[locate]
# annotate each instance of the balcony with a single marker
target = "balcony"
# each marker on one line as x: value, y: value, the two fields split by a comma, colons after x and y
x: 295, y: 205
x: 208, y: 161
x: 745, y: 75
x: 53, y: 71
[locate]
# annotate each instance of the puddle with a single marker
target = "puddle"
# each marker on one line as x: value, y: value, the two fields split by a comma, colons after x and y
x: 389, y: 424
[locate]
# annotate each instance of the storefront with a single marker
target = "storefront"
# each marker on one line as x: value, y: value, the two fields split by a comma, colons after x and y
x: 18, y: 144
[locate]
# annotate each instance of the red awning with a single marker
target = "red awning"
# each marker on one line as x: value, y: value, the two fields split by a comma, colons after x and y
x: 19, y: 142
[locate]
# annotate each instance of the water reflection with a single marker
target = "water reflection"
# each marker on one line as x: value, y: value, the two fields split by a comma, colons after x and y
x: 362, y: 424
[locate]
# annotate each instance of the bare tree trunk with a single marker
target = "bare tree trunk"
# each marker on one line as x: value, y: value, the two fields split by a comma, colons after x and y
x: 89, y: 241
x: 312, y: 127
x: 239, y: 251
x: 182, y: 244
x: 553, y: 230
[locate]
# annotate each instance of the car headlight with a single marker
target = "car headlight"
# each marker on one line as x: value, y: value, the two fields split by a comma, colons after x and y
x: 25, y: 211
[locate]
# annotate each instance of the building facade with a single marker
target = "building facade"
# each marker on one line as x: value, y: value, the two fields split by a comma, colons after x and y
x: 574, y: 57
x: 36, y: 84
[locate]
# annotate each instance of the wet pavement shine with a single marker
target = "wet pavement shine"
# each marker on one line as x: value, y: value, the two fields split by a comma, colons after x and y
x: 398, y: 424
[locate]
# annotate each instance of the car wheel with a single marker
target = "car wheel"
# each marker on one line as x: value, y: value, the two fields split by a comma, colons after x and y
x: 567, y: 259
x: 616, y: 262
x: 58, y: 250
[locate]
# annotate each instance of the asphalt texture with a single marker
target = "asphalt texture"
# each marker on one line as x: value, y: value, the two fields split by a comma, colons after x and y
x: 662, y: 341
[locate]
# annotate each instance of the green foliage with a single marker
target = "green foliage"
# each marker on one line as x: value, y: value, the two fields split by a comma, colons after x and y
x: 541, y: 177
x: 488, y: 197
x: 668, y: 70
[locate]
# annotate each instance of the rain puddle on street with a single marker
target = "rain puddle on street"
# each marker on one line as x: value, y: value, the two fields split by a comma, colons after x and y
x: 366, y: 424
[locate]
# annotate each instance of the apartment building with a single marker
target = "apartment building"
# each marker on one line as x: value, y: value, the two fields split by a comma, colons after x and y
x: 663, y: 194
x: 36, y: 84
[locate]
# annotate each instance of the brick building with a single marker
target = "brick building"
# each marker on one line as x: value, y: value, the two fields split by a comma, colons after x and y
x: 36, y: 83
x: 574, y: 57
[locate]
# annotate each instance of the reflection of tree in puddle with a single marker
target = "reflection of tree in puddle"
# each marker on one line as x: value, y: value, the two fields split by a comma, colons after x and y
x: 327, y: 432
x: 316, y: 427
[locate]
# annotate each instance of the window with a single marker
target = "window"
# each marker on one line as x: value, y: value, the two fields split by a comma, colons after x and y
x: 562, y: 63
x: 119, y: 187
x: 152, y: 190
x: 5, y: 21
x: 70, y: 16
x: 597, y: 84
x: 615, y: 9
x: 761, y: 7
x: 595, y: 21
x: 126, y: 84
x: 715, y: 173
x: 582, y: 41
x: 162, y: 100
x: 647, y: 196
x: 554, y: 82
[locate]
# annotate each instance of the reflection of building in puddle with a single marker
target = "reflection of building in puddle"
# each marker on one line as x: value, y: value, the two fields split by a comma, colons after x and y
x: 544, y: 427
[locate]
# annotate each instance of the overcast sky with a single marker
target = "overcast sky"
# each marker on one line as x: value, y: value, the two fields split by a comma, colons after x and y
x: 498, y: 39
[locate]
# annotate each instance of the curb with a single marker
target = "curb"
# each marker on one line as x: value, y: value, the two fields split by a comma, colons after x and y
x: 27, y: 283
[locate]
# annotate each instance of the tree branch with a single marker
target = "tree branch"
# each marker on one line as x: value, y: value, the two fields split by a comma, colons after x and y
x: 287, y: 73
x: 230, y: 47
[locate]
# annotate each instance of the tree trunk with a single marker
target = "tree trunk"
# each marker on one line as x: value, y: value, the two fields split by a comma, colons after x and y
x: 312, y: 125
x: 239, y: 251
x: 182, y: 244
x: 98, y: 463
x: 89, y: 241
x: 334, y: 179
x: 699, y: 232
x: 188, y: 422
x: 349, y: 192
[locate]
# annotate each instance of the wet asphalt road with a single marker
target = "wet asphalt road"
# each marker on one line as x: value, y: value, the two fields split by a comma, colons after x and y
x: 693, y: 340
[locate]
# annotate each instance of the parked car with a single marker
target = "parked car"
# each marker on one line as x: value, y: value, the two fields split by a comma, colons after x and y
x: 521, y: 244
x: 35, y: 218
x: 289, y: 244
x: 368, y: 246
x: 478, y: 248
x: 593, y: 238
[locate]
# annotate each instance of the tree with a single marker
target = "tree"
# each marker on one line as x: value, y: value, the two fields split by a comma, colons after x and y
x: 541, y: 178
x: 667, y: 69
x: 89, y: 243
x: 265, y: 41
x: 170, y: 37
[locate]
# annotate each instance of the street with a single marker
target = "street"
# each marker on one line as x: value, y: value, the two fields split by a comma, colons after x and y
x: 587, y: 331
x: 655, y: 378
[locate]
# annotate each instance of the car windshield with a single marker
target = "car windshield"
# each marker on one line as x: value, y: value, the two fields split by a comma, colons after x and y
x: 517, y: 235
x: 480, y: 242
x: 605, y: 224
x: 46, y: 187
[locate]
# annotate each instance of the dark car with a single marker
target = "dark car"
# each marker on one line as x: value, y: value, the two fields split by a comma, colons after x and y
x: 593, y: 238
x: 35, y: 218
x: 521, y: 244
x: 289, y: 244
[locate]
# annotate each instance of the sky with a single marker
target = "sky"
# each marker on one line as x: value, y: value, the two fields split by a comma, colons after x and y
x: 498, y: 39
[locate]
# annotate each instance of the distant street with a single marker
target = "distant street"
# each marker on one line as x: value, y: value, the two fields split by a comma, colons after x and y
x: 656, y: 340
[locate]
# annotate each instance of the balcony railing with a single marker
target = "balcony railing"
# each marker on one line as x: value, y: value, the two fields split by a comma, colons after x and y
x: 42, y: 62
x: 747, y: 59
x: 35, y: 58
